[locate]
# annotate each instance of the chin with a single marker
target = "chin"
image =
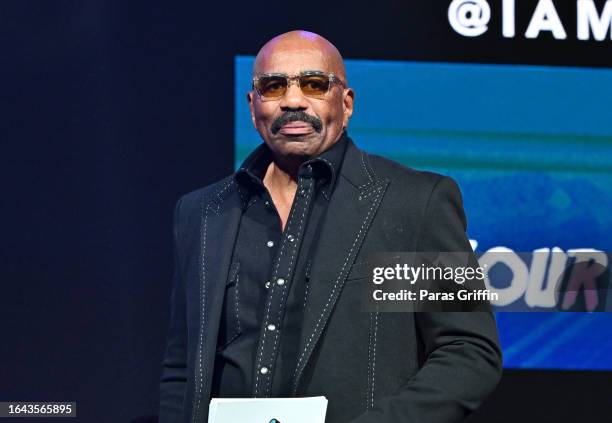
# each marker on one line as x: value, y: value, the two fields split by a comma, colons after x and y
x: 296, y: 151
x: 298, y: 145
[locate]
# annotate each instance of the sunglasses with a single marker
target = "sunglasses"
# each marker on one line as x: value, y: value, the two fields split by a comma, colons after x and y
x: 316, y: 84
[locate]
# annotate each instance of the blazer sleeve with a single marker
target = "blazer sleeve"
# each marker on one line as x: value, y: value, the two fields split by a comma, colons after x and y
x: 462, y: 357
x: 174, y: 365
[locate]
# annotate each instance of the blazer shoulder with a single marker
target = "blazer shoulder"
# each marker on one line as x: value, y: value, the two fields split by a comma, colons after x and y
x: 195, y: 197
x: 413, y: 188
x: 399, y: 173
x: 189, y: 206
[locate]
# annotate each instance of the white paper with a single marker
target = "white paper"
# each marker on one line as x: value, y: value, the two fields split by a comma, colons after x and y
x: 262, y: 410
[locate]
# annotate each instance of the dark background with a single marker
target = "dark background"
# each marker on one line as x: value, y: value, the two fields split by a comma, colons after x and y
x: 110, y: 110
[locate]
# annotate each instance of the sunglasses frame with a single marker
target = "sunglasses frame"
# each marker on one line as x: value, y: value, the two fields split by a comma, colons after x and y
x: 333, y: 79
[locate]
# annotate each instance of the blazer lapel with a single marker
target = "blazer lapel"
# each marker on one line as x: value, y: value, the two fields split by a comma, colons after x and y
x: 221, y: 213
x: 352, y: 207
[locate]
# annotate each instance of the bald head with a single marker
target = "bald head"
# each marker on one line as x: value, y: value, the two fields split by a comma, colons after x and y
x: 292, y: 43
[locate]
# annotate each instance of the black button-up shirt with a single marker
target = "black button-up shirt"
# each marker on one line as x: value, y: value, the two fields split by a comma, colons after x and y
x: 267, y: 288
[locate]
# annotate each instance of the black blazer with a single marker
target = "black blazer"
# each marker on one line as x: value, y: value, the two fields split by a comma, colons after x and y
x: 372, y: 367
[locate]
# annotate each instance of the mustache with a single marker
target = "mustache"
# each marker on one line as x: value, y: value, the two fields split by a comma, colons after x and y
x: 296, y: 116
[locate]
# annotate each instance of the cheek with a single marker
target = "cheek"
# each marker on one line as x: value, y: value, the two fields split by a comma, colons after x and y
x: 334, y: 112
x: 264, y: 112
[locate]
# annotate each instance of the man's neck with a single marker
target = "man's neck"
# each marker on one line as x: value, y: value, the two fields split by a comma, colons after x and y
x: 282, y: 187
x: 281, y: 181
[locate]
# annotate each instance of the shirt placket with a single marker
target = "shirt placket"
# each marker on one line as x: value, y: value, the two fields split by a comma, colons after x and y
x: 283, y: 269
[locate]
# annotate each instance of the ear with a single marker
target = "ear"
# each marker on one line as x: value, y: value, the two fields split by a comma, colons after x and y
x: 348, y: 99
x: 251, y: 100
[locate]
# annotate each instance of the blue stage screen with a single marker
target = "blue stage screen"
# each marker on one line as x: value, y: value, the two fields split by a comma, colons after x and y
x: 531, y: 149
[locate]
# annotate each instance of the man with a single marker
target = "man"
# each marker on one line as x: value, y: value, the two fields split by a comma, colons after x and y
x: 265, y: 302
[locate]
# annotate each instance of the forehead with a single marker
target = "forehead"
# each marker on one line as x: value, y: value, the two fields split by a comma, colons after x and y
x: 293, y: 61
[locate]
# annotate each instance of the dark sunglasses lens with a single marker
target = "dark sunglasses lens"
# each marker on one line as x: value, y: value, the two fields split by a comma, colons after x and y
x: 314, y: 85
x: 272, y: 86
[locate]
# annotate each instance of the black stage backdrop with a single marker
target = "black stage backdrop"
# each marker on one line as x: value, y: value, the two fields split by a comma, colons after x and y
x: 109, y: 111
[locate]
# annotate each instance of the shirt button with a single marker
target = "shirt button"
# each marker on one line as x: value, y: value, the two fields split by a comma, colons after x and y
x: 280, y: 281
x: 291, y: 238
x: 268, y: 284
x: 270, y: 244
x: 271, y: 328
x: 263, y: 370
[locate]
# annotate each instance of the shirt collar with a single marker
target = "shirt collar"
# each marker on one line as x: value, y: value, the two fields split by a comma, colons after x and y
x: 324, y: 168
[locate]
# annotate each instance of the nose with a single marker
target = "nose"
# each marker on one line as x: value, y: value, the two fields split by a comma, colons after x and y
x: 293, y: 99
